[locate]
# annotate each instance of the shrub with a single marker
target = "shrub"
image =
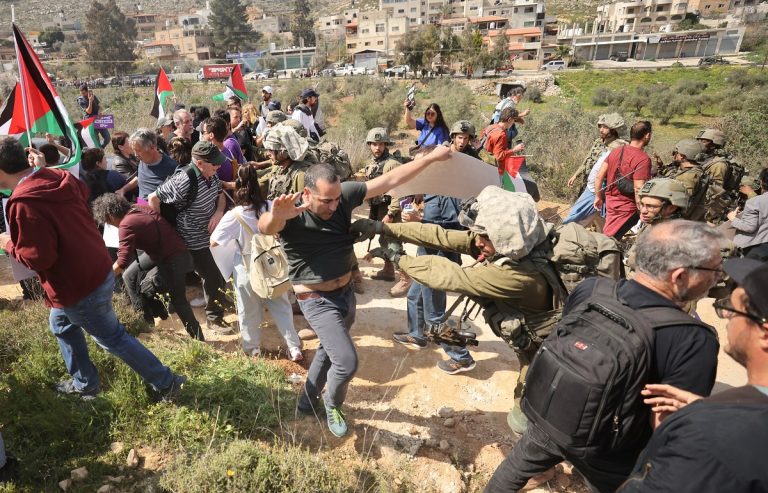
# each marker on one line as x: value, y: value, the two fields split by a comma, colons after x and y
x: 746, y: 134
x: 533, y: 94
x: 690, y: 87
x: 604, y: 96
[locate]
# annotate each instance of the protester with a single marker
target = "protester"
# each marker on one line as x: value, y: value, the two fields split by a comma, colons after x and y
x: 495, y: 136
x: 514, y: 96
x: 626, y: 169
x: 751, y: 224
x: 180, y: 150
x: 91, y: 107
x: 195, y: 222
x: 303, y: 113
x: 241, y: 132
x: 154, y: 166
x: 433, y: 129
x: 676, y: 261
x: 319, y: 247
x: 141, y: 228
x: 182, y: 120
x: 239, y: 225
x: 216, y: 130
x: 51, y: 231
x: 266, y: 96
x: 94, y: 172
x: 125, y: 163
x: 720, y: 443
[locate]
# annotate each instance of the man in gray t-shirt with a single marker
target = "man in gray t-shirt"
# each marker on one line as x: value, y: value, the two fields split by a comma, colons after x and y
x: 319, y: 246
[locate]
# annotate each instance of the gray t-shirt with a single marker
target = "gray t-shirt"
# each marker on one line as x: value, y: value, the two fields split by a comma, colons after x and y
x: 320, y: 250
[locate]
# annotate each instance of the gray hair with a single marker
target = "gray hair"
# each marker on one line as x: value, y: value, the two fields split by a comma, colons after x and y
x: 144, y: 137
x: 676, y: 243
x: 516, y: 91
x: 109, y: 205
x: 178, y: 114
x: 320, y: 171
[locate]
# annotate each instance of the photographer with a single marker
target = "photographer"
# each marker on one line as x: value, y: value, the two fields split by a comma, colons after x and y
x: 752, y: 223
x: 513, y: 281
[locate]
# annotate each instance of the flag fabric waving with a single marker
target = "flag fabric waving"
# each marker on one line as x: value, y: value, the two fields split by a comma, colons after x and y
x: 44, y: 109
x: 87, y: 133
x: 163, y: 90
x: 509, y: 174
x: 235, y: 87
x: 12, y: 117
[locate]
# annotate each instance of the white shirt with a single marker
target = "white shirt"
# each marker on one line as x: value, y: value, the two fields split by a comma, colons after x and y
x: 229, y: 228
x: 307, y: 120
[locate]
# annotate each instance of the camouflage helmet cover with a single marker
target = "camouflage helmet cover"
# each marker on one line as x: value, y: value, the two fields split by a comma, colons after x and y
x: 690, y: 148
x: 463, y: 127
x: 614, y: 121
x: 716, y: 136
x: 667, y: 189
x: 296, y: 125
x: 378, y: 134
x: 284, y: 138
x: 276, y: 116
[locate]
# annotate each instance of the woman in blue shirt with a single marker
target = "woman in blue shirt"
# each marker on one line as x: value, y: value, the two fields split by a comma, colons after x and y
x: 432, y: 127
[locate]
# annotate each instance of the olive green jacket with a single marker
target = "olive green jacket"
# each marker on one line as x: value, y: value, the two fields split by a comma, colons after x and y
x: 516, y: 283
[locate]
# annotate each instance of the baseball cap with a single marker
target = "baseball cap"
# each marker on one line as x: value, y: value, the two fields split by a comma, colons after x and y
x: 309, y: 93
x: 208, y: 152
x: 274, y: 105
x: 752, y: 275
x: 163, y: 122
x: 267, y: 89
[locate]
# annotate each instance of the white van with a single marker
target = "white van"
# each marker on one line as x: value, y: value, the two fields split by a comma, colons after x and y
x: 554, y: 65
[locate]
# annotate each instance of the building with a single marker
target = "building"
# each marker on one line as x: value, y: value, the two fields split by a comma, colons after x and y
x: 430, y: 11
x: 658, y: 46
x: 522, y: 43
x: 294, y: 58
x: 335, y: 26
x: 147, y: 24
x: 707, y: 8
x: 160, y: 50
x: 191, y: 42
x: 640, y: 16
x: 519, y: 13
x: 375, y: 30
x: 272, y: 24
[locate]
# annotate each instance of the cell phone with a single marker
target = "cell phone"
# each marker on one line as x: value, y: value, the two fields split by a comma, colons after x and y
x: 409, y: 208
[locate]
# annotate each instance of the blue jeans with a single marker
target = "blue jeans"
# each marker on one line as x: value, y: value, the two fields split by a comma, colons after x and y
x: 95, y: 315
x: 331, y: 316
x: 427, y: 306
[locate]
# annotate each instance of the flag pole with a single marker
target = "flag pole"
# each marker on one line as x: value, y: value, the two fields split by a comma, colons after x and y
x: 22, y: 84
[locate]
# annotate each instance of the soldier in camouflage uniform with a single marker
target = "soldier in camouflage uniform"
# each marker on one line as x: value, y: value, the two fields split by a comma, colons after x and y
x: 725, y: 174
x: 286, y: 149
x: 686, y: 169
x: 384, y: 207
x: 462, y: 134
x: 715, y: 159
x: 513, y: 281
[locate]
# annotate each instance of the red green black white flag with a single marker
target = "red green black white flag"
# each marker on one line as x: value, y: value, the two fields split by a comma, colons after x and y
x: 163, y: 90
x: 235, y: 87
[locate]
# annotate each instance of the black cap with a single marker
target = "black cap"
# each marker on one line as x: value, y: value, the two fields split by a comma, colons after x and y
x: 274, y: 105
x: 752, y: 275
x: 208, y: 152
x: 308, y: 93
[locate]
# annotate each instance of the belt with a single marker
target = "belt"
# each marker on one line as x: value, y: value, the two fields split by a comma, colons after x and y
x: 311, y: 295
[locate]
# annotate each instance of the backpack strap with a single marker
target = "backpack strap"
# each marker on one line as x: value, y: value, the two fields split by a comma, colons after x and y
x: 667, y: 316
x: 242, y: 222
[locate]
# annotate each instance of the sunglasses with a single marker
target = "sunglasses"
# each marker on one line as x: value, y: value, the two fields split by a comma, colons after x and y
x: 430, y: 113
x: 724, y: 309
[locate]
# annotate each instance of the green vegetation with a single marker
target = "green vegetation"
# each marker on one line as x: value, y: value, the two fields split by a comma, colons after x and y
x: 111, y: 38
x: 230, y: 28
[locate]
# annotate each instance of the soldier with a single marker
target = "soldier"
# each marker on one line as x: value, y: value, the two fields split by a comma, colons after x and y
x: 610, y: 126
x: 462, y: 134
x: 716, y: 159
x: 687, y: 170
x: 662, y: 199
x: 384, y: 207
x: 286, y: 149
x: 514, y: 282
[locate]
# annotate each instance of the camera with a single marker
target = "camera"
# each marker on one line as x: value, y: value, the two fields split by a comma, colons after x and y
x: 450, y: 333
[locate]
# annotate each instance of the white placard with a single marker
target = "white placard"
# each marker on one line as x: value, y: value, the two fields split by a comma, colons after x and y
x: 111, y: 236
x: 461, y: 176
x: 224, y: 256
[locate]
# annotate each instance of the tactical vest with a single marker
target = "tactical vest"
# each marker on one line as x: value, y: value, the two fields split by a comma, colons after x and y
x: 376, y: 169
x: 698, y: 184
x: 280, y: 183
x: 330, y: 153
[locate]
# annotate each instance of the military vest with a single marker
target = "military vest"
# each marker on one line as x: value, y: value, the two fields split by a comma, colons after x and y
x: 282, y: 179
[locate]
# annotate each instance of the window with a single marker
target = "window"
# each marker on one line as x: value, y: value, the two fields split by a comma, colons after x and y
x: 660, y: 8
x: 365, y: 31
x: 515, y: 10
x: 493, y: 12
x: 529, y: 10
x: 413, y: 10
x: 380, y: 43
x: 351, y: 46
x: 631, y: 10
x: 367, y: 43
x: 395, y: 29
x: 379, y: 28
x: 400, y: 11
x: 529, y: 23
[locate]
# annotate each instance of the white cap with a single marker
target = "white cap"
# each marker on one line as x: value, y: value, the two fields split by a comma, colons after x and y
x: 267, y: 89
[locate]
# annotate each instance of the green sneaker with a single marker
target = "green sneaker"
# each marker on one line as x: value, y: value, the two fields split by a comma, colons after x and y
x: 336, y: 422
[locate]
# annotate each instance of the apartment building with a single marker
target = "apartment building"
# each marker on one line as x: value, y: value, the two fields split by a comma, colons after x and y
x: 375, y: 30
x: 640, y: 16
x: 335, y: 26
x: 271, y: 24
x: 191, y: 42
x: 707, y: 8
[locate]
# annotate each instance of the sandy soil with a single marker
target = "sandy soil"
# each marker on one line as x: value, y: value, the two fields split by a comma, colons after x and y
x: 399, y: 403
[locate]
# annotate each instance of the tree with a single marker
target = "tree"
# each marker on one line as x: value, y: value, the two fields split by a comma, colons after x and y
x: 498, y: 57
x: 418, y: 48
x: 472, y: 47
x: 450, y: 45
x: 302, y: 25
x: 51, y: 37
x: 111, y: 38
x: 230, y: 29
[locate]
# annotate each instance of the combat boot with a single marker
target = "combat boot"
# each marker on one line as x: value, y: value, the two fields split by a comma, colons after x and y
x: 400, y: 289
x: 385, y: 274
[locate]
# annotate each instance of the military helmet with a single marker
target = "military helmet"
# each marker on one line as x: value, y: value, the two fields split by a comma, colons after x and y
x: 716, y: 136
x: 296, y: 125
x: 276, y: 116
x: 667, y: 189
x: 614, y: 121
x: 378, y: 134
x: 463, y: 127
x: 690, y: 148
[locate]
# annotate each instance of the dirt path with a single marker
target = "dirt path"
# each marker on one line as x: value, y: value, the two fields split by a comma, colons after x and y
x: 450, y: 430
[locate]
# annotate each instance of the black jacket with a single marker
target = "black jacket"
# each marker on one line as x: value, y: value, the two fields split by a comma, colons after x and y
x: 714, y: 445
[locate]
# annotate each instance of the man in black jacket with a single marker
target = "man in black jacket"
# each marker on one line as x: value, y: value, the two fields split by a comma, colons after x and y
x: 721, y: 443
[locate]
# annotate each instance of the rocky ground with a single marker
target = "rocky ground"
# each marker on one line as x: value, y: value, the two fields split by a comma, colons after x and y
x: 447, y: 432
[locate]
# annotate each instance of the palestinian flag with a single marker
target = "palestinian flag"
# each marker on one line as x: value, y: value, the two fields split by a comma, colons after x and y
x: 235, y: 87
x: 163, y: 90
x: 45, y: 112
x: 509, y: 174
x: 87, y: 133
x: 7, y: 125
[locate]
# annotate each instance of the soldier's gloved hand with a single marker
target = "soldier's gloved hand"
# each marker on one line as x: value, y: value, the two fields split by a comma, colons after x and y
x: 389, y: 253
x: 365, y: 229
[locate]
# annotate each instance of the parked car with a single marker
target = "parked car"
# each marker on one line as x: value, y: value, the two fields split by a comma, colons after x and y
x: 256, y: 76
x: 554, y: 65
x: 398, y: 71
x: 713, y: 60
x: 349, y: 69
x: 619, y: 56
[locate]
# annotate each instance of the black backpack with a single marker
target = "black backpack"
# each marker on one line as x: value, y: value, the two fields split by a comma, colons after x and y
x: 170, y: 211
x: 583, y: 386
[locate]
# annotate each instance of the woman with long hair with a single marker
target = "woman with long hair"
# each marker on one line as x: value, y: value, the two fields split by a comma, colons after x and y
x: 180, y: 150
x: 433, y: 128
x: 238, y: 225
x: 126, y: 163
